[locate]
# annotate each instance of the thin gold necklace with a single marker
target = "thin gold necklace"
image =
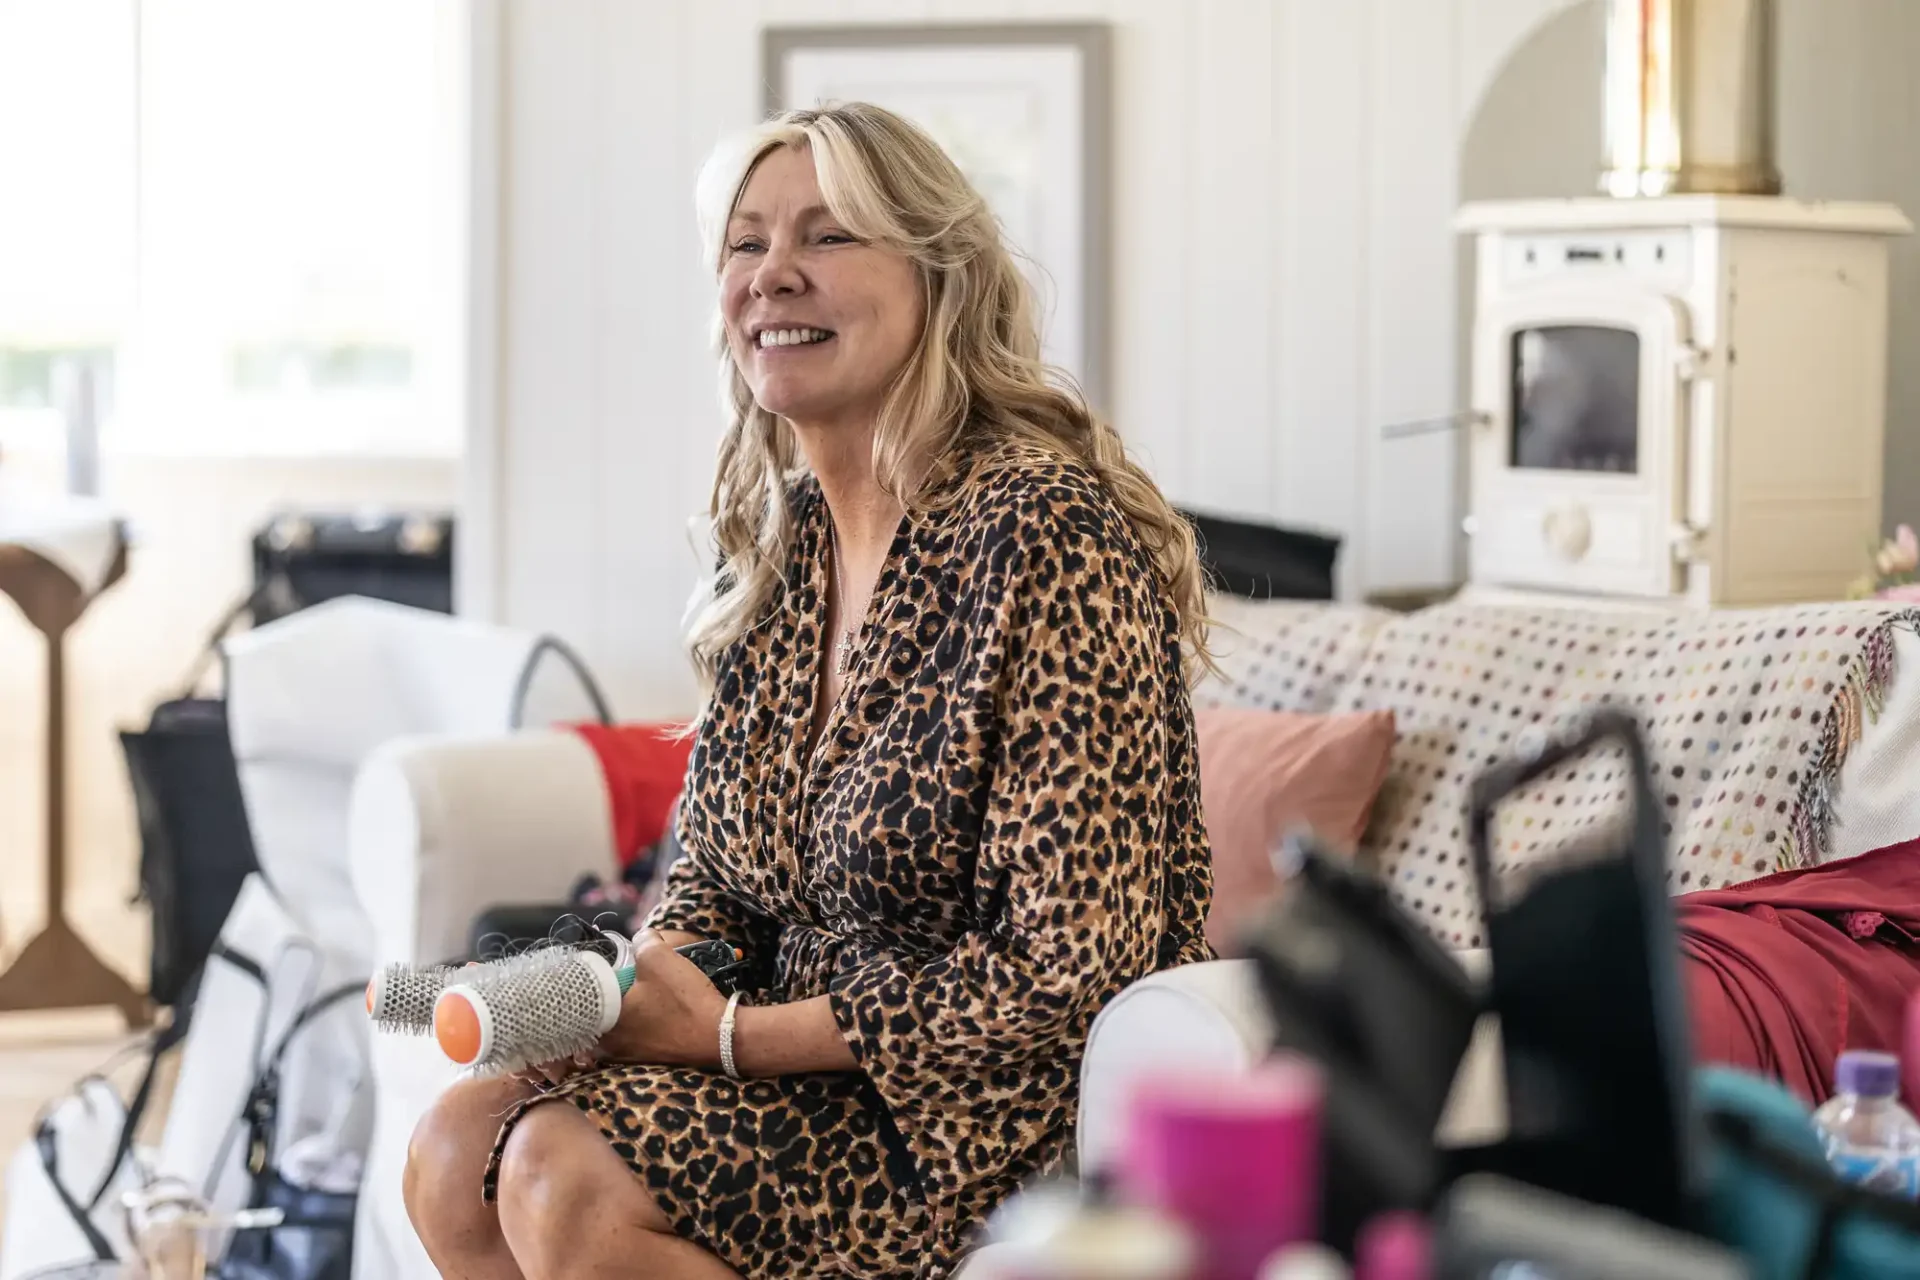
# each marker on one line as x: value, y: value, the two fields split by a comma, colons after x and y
x: 843, y: 647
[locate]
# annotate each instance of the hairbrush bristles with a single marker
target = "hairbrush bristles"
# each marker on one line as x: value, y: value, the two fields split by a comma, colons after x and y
x: 531, y: 1009
x: 400, y: 997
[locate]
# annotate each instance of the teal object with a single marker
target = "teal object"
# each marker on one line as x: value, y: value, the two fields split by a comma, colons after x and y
x: 1749, y: 1208
x: 1765, y: 1215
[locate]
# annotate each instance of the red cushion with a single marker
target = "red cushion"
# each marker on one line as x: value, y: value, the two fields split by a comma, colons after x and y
x: 645, y: 767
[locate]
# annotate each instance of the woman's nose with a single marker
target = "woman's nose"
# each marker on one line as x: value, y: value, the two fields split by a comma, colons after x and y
x: 779, y: 273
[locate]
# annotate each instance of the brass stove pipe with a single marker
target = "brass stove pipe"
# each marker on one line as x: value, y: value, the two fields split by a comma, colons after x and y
x: 1689, y: 98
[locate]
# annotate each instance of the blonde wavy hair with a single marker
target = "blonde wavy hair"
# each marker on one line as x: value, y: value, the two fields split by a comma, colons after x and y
x: 975, y: 382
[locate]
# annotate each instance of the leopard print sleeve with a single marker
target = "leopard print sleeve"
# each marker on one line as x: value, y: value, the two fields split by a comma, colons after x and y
x: 695, y: 900
x: 1089, y: 753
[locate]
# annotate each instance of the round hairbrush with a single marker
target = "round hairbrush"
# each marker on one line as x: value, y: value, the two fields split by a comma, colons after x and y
x: 526, y: 1010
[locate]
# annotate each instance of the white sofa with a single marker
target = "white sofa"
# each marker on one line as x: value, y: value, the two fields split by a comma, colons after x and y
x: 448, y: 826
x: 443, y: 827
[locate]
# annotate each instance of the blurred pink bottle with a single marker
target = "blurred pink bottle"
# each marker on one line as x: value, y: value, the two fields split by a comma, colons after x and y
x: 1233, y: 1157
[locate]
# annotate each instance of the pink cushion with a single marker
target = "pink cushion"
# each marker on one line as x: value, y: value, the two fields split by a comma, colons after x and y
x: 1265, y: 773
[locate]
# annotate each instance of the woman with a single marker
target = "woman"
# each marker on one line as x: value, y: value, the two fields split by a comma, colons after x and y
x: 944, y: 794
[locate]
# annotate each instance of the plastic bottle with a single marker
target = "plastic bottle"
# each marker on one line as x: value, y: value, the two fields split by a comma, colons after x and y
x: 1870, y: 1138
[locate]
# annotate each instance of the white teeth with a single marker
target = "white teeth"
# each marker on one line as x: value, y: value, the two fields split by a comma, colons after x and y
x: 792, y: 337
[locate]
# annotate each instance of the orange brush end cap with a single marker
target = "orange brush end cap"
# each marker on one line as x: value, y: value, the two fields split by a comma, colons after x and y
x: 456, y: 1025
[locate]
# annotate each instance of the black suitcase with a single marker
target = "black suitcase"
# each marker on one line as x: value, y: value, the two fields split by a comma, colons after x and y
x: 302, y: 558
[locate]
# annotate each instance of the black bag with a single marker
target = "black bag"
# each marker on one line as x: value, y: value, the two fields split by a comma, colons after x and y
x: 196, y: 847
x: 156, y: 1044
x: 314, y: 1238
x: 301, y: 559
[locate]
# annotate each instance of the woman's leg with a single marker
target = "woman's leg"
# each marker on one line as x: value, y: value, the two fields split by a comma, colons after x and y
x: 571, y: 1209
x: 446, y: 1161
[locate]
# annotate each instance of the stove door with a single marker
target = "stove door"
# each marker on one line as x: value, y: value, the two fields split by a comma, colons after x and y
x: 1578, y: 472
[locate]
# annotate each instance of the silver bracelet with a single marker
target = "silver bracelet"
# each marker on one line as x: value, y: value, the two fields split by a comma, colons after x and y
x: 726, y: 1037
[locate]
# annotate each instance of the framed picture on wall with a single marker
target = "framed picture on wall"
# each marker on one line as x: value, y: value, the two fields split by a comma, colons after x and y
x: 1025, y: 111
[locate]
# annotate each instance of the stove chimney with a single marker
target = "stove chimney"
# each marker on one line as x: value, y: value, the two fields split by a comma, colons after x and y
x: 1689, y: 98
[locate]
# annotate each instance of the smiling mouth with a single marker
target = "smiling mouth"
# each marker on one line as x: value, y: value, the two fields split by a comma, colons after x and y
x: 768, y: 338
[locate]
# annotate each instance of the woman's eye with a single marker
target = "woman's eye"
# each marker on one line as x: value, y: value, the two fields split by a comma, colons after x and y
x: 836, y: 237
x: 747, y: 246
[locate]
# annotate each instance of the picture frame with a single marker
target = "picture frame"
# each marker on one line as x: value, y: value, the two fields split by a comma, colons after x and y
x: 1025, y: 109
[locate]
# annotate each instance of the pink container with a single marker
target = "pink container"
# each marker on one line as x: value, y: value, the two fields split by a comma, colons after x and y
x: 1233, y: 1157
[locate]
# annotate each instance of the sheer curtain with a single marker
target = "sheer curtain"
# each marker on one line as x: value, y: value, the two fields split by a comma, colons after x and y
x: 241, y: 213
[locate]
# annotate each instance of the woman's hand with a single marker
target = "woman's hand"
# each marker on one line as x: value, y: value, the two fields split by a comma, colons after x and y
x: 671, y: 1016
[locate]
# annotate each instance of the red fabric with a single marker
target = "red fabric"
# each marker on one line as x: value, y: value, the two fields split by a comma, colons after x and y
x: 1785, y: 972
x: 645, y: 767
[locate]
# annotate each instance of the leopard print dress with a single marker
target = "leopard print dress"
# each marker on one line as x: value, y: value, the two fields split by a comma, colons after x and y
x: 999, y: 830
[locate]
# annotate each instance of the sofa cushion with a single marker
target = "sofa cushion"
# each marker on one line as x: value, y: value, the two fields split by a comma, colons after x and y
x: 1749, y: 717
x: 1265, y: 773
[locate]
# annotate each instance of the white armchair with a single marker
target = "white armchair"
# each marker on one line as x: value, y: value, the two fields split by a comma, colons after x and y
x: 441, y: 828
x: 444, y: 827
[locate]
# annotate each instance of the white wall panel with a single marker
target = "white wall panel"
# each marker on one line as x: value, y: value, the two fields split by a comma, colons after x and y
x: 1282, y: 277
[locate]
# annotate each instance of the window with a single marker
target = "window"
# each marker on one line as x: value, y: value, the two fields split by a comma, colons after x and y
x: 239, y: 215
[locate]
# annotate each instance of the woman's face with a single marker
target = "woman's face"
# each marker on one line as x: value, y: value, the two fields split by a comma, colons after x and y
x: 820, y: 323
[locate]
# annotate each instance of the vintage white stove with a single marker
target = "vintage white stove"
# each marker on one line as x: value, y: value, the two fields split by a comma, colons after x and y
x: 1678, y: 399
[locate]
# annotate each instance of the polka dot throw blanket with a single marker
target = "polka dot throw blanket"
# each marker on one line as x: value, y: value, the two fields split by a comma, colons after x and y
x: 1748, y: 717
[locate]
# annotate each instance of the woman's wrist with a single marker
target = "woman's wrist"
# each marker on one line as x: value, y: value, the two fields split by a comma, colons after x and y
x: 788, y: 1039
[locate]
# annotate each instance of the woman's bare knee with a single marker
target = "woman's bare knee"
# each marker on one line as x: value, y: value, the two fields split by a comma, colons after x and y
x: 562, y: 1188
x: 446, y: 1161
